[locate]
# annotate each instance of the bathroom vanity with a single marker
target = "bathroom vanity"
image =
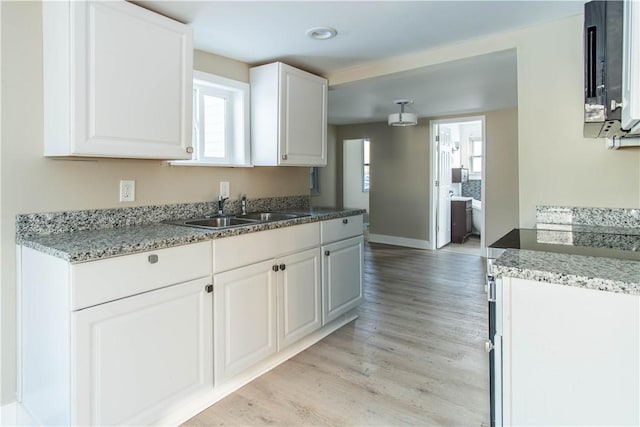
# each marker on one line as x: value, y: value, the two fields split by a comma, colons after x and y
x: 461, y: 219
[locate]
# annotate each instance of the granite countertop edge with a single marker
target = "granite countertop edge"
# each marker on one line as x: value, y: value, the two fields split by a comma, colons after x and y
x: 85, y: 246
x: 596, y: 273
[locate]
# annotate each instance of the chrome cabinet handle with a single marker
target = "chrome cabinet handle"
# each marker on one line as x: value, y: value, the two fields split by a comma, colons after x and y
x: 275, y: 268
x: 327, y: 253
x: 345, y: 221
x: 153, y: 259
x: 209, y: 288
x: 491, y: 292
x: 283, y: 267
x: 189, y: 150
x: 284, y: 157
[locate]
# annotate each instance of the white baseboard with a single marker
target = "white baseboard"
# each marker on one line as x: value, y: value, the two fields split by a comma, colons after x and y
x: 399, y: 241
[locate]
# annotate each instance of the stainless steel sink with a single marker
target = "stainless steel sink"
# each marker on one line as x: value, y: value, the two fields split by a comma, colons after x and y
x: 272, y: 216
x: 220, y: 222
x: 217, y: 222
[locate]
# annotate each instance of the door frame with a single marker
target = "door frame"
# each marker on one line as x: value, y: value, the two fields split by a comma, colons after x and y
x: 345, y: 143
x: 433, y: 173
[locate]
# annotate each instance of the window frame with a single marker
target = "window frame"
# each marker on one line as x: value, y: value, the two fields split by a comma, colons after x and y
x: 366, y: 146
x: 472, y: 141
x: 237, y: 125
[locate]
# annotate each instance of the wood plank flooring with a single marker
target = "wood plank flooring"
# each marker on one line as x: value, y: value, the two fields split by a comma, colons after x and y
x: 414, y: 356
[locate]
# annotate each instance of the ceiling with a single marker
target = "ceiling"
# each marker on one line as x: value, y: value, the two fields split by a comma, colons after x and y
x: 258, y: 32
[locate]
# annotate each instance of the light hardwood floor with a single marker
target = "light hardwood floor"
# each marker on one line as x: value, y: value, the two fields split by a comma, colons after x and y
x: 471, y: 246
x: 414, y: 356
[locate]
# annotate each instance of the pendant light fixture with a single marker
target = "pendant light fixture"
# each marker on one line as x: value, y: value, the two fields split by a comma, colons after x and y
x: 402, y: 118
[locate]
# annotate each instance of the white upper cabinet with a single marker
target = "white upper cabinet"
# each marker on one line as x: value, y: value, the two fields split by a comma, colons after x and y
x: 117, y: 81
x: 288, y: 117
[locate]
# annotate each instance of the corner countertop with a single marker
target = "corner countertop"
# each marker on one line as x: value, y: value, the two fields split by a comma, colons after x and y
x: 599, y: 273
x: 92, y: 245
x: 605, y: 259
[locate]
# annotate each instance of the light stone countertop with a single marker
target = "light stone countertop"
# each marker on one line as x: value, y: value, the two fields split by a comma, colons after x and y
x: 91, y: 245
x: 599, y: 273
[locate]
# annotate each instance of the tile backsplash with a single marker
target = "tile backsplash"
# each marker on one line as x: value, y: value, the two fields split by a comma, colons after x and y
x: 472, y: 188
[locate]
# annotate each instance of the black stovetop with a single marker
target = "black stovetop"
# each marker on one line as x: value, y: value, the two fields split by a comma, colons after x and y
x: 600, y: 244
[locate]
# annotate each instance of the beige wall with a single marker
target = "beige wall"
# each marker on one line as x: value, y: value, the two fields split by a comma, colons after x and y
x: 399, y: 177
x: 556, y: 164
x: 400, y: 160
x: 32, y: 183
x: 501, y: 200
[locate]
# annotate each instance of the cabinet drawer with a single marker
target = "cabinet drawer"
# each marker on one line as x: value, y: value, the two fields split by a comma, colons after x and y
x: 238, y: 251
x: 106, y: 280
x: 340, y: 228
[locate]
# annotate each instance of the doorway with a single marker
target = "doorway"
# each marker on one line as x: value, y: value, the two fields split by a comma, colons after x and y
x: 457, y: 175
x: 356, y: 173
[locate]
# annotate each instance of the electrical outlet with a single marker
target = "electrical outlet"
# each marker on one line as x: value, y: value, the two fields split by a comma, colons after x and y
x: 127, y: 191
x: 224, y: 189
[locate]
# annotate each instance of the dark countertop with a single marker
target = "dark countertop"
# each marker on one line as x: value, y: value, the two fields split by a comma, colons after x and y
x: 601, y: 258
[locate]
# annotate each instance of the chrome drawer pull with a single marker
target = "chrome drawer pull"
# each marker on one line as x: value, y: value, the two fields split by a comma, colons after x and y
x: 345, y: 221
x: 153, y: 258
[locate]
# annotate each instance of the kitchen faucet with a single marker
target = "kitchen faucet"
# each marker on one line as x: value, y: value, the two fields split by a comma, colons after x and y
x: 221, y: 204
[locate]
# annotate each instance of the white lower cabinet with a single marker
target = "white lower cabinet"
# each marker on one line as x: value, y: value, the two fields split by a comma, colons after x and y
x: 245, y: 318
x: 137, y: 339
x: 264, y: 307
x: 569, y: 355
x: 137, y: 355
x: 342, y: 267
x: 267, y: 293
x: 119, y: 341
x: 299, y: 296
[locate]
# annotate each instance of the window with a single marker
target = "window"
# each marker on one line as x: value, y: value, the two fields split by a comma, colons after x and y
x: 366, y: 167
x: 475, y: 159
x: 220, y: 122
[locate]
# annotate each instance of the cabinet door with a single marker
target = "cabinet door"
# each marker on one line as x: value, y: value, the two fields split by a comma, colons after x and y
x: 342, y: 265
x: 129, y: 71
x: 245, y: 318
x: 299, y: 296
x: 303, y: 118
x: 138, y: 356
x: 570, y: 355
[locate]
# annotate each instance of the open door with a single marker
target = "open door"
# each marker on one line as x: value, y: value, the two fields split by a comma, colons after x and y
x: 443, y: 185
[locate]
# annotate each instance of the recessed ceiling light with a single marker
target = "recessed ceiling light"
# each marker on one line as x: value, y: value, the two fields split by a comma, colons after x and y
x: 322, y: 33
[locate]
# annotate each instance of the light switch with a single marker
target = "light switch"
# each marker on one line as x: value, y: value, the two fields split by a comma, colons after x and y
x: 127, y: 191
x: 224, y: 189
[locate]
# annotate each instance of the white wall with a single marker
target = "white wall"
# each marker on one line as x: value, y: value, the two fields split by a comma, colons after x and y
x: 352, y: 180
x: 32, y: 183
x: 557, y: 165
